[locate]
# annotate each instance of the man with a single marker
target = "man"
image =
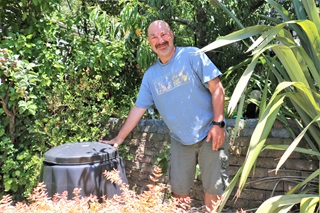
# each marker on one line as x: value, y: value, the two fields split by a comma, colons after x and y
x: 184, y: 86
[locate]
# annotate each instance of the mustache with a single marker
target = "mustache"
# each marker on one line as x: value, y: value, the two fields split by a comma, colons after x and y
x: 164, y: 43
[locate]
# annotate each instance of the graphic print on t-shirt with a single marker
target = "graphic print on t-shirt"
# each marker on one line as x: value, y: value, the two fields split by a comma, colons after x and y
x: 170, y: 82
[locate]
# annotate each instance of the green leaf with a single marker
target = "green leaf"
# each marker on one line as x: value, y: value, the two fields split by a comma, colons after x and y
x: 2, y: 132
x: 277, y: 203
x: 20, y: 157
x: 297, y: 149
x: 312, y: 12
x: 294, y: 144
x: 18, y: 173
x: 32, y: 96
x: 300, y: 13
x: 289, y: 61
x: 265, y: 38
x: 22, y: 106
x: 281, y: 10
x: 312, y: 33
x: 309, y: 204
x: 310, y: 66
x: 7, y: 184
x: 231, y: 14
x: 14, y: 185
x: 305, y: 99
x: 32, y: 107
x: 235, y: 36
x: 241, y: 85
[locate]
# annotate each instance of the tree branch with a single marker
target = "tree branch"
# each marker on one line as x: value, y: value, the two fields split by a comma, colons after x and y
x: 10, y: 115
x: 184, y: 21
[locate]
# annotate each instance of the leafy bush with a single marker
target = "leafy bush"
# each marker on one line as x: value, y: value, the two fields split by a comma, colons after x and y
x: 153, y: 200
x: 59, y: 84
x: 149, y: 201
x: 17, y: 89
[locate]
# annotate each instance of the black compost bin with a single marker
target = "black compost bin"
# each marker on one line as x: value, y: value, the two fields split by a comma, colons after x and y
x: 81, y: 165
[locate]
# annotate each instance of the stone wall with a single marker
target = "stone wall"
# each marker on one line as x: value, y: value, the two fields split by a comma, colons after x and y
x: 150, y: 138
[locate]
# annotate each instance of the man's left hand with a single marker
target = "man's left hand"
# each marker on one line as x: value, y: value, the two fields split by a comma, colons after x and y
x: 217, y: 135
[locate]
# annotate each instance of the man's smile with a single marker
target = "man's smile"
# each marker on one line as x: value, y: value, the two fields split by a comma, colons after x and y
x: 162, y: 45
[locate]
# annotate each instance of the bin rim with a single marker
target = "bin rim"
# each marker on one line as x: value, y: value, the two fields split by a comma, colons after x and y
x: 80, y: 153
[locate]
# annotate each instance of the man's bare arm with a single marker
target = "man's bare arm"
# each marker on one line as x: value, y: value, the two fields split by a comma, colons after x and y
x: 217, y: 134
x: 132, y: 120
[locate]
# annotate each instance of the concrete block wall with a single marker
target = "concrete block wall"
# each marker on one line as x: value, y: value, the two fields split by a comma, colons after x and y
x: 150, y: 138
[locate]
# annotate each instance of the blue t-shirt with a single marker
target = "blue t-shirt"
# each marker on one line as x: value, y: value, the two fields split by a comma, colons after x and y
x: 179, y: 91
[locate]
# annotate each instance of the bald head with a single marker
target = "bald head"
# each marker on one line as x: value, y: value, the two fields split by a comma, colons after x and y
x: 157, y: 26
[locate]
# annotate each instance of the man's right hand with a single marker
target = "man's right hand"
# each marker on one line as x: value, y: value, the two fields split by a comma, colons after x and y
x: 115, y: 141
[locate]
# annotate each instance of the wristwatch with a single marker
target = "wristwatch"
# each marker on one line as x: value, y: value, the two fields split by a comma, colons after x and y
x: 220, y: 124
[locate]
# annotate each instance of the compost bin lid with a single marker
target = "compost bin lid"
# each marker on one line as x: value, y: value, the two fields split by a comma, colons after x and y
x: 80, y: 153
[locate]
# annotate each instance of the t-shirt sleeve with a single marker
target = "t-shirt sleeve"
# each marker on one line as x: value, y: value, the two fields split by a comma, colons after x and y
x: 204, y: 67
x: 144, y: 99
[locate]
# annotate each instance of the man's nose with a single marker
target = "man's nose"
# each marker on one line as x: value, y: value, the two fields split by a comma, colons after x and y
x: 160, y: 39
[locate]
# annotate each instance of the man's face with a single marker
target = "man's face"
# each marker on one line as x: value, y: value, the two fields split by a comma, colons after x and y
x: 161, y: 38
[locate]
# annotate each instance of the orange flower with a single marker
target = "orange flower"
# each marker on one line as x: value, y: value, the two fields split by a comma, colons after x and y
x: 138, y: 32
